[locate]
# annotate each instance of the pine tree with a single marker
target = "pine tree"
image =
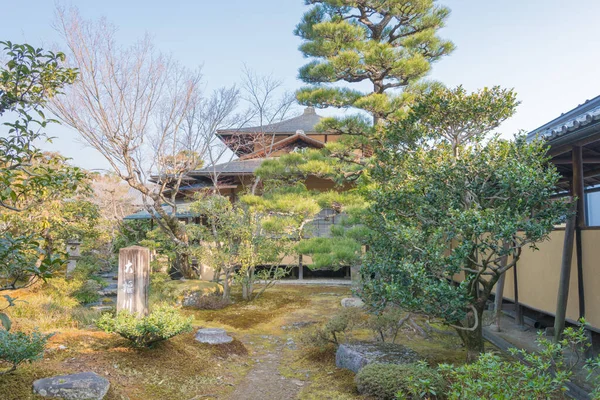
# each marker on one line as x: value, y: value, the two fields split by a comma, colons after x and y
x: 389, y: 44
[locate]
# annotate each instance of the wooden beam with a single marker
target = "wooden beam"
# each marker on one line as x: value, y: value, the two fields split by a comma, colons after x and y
x: 569, y: 161
x: 565, y: 148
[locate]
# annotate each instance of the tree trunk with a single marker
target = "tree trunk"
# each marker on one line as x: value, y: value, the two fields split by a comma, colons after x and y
x: 183, y: 264
x: 473, y: 338
x: 226, y: 285
x: 247, y: 284
x: 498, y: 300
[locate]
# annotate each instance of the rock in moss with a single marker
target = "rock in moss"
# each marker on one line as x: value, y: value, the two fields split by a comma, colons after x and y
x: 352, y: 302
x: 354, y: 356
x: 213, y: 336
x: 82, y: 386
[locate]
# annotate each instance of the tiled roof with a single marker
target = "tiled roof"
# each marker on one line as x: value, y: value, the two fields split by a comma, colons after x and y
x: 283, y: 143
x: 236, y: 167
x: 305, y: 122
x: 183, y: 211
x: 582, y: 116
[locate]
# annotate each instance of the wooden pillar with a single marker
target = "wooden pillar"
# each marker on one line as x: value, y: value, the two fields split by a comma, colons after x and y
x: 578, y: 185
x: 134, y: 280
x: 565, y: 276
x: 578, y: 189
x: 300, y: 268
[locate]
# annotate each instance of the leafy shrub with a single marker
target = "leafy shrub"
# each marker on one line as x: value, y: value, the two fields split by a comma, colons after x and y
x: 405, y: 381
x: 491, y: 377
x: 341, y: 324
x: 19, y: 347
x: 87, y: 266
x: 387, y: 323
x: 161, y: 324
x: 88, y: 292
x: 84, y: 291
x: 545, y: 375
x: 338, y: 326
x: 321, y: 342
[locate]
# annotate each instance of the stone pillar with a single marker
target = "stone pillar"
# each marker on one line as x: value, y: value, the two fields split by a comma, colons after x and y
x: 134, y: 280
x: 74, y: 252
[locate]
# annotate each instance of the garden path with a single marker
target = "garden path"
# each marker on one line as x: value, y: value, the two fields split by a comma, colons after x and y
x: 265, y: 381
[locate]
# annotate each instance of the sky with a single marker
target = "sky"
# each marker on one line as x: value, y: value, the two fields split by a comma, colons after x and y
x: 545, y: 49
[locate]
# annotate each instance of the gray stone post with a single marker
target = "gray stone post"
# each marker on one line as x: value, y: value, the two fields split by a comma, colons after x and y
x: 74, y: 252
x: 134, y: 280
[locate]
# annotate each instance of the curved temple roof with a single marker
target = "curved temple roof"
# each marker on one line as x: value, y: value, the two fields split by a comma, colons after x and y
x: 305, y: 122
x: 584, y: 116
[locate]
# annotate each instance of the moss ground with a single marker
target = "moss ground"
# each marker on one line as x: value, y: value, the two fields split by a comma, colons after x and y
x: 181, y: 368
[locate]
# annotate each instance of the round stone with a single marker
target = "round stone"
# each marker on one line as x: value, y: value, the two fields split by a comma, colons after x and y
x: 213, y: 336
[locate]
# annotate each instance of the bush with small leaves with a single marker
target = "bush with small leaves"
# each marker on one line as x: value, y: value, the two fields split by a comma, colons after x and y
x: 19, y: 347
x: 161, y: 324
x: 320, y: 342
x: 341, y: 324
x: 544, y: 375
x: 404, y: 381
x: 387, y: 323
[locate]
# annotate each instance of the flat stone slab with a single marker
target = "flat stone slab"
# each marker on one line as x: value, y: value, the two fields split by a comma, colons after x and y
x: 213, y: 336
x: 82, y: 386
x: 102, y: 308
x: 352, y: 302
x: 354, y: 356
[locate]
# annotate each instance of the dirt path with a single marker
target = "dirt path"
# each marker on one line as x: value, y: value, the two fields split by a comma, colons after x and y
x: 264, y: 381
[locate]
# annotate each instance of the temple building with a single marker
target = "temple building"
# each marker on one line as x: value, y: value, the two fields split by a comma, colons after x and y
x: 254, y: 145
x: 563, y: 276
x: 251, y: 146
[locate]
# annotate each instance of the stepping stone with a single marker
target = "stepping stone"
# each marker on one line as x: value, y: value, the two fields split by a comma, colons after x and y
x: 354, y: 356
x: 352, y: 302
x: 213, y: 336
x: 82, y: 386
x: 108, y: 292
x: 102, y: 308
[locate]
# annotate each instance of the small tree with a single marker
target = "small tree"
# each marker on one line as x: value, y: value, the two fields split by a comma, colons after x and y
x: 145, y: 114
x: 29, y: 179
x: 451, y: 204
x: 235, y: 239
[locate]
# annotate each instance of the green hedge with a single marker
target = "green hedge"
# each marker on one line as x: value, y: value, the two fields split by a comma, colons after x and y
x: 405, y: 381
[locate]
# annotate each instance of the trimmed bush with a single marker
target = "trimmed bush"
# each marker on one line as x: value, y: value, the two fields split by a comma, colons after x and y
x: 19, y: 347
x: 393, y: 381
x: 163, y: 323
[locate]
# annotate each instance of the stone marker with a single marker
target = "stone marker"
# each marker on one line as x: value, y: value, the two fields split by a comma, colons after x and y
x: 354, y: 356
x: 213, y: 336
x: 352, y: 302
x: 134, y: 280
x: 82, y: 386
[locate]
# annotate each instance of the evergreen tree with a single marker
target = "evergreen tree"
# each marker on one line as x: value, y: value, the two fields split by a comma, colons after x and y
x: 453, y: 208
x: 385, y: 44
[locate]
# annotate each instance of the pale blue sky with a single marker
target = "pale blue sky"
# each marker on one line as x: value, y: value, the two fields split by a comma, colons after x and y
x: 546, y: 49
